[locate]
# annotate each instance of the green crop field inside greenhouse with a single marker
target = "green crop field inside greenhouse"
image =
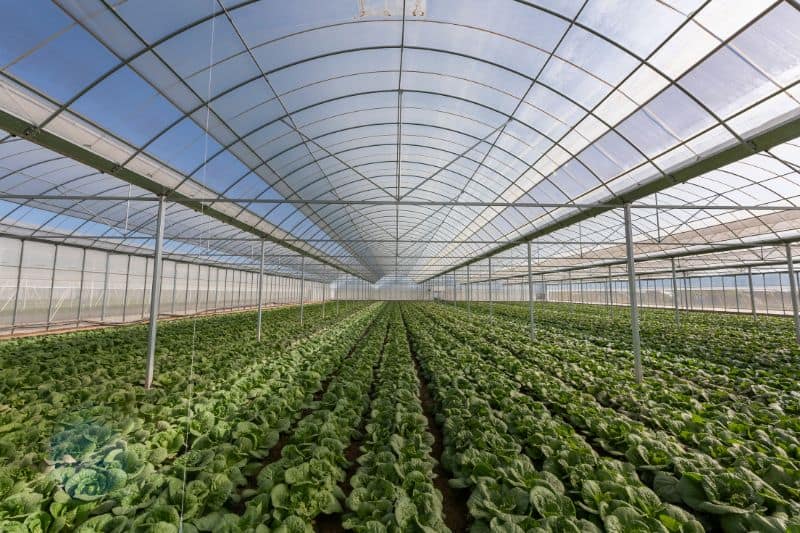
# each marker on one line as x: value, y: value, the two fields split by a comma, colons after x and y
x: 399, y: 266
x: 367, y: 417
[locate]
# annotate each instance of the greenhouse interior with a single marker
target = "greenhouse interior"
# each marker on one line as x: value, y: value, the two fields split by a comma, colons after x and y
x: 520, y: 266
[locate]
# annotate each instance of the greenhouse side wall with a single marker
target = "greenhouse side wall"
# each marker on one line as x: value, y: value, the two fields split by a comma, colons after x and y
x: 47, y: 286
x: 728, y: 293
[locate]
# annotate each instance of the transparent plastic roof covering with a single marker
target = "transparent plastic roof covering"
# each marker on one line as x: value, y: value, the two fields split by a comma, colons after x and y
x: 401, y: 138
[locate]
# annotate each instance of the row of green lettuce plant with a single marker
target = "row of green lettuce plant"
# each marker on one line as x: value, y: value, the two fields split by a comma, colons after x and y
x: 393, y: 490
x: 80, y: 356
x: 49, y: 382
x: 737, y: 498
x: 291, y: 492
x: 738, y: 342
x: 730, y: 427
x: 762, y: 386
x: 604, y: 491
x: 46, y: 414
x: 123, y: 468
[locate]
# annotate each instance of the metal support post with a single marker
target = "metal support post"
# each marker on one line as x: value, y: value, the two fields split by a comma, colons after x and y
x: 52, y: 288
x: 752, y: 295
x: 260, y: 287
x: 155, y: 292
x: 610, y: 294
x: 569, y: 289
x: 18, y: 287
x: 793, y: 289
x: 80, y: 288
x: 105, y: 289
x: 530, y: 293
x: 197, y: 291
x: 491, y: 302
x: 675, y: 293
x: 724, y: 294
x: 185, y: 293
x: 469, y: 293
x: 687, y: 290
x: 637, y: 348
x: 125, y: 294
x: 144, y: 285
x: 302, y: 287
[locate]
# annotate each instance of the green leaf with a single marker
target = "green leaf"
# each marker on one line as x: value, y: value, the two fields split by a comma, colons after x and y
x: 548, y: 503
x: 93, y: 483
x: 405, y: 512
x: 280, y: 496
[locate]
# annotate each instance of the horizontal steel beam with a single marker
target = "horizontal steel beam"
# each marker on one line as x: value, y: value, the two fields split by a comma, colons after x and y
x: 403, y: 203
x: 331, y: 241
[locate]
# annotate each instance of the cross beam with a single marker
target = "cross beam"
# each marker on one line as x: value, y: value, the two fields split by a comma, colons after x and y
x: 404, y: 203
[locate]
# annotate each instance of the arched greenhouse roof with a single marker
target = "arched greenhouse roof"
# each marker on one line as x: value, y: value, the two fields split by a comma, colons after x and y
x: 404, y: 138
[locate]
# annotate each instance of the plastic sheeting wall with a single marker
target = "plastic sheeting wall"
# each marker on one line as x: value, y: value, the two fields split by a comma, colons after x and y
x: 729, y: 292
x: 49, y: 286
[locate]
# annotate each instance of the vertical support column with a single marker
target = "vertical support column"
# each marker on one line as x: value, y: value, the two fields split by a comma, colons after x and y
x: 17, y: 288
x: 530, y: 293
x: 197, y: 291
x: 186, y: 290
x: 260, y: 287
x: 175, y: 285
x: 239, y: 303
x: 155, y: 293
x: 270, y: 281
x: 302, y: 287
x: 569, y: 289
x: 125, y: 294
x: 469, y: 293
x: 675, y: 293
x: 637, y: 348
x: 752, y: 295
x: 724, y: 296
x: 144, y: 284
x: 544, y: 288
x: 687, y: 292
x: 324, y: 290
x: 208, y: 288
x: 80, y: 287
x: 52, y: 288
x: 610, y: 294
x: 105, y: 290
x: 793, y: 289
x: 491, y: 299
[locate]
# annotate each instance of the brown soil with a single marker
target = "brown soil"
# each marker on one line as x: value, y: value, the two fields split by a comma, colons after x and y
x: 332, y: 523
x: 454, y: 501
x: 276, y: 451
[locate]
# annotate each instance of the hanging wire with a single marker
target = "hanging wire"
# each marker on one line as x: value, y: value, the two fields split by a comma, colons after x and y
x: 190, y: 391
